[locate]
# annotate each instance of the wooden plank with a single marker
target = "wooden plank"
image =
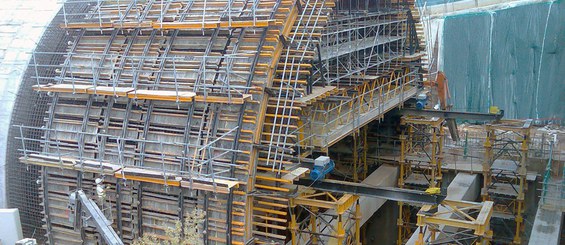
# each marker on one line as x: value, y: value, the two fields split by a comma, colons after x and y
x: 223, y: 99
x: 176, y: 96
x: 317, y: 94
x: 162, y: 95
x: 295, y: 174
x: 63, y: 88
x: 110, y: 91
x: 170, y: 25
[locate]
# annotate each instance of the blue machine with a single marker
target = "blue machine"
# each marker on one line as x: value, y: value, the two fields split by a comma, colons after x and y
x: 322, y: 166
x: 421, y: 101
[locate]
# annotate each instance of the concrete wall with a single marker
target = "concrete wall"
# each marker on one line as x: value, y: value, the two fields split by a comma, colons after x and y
x: 547, y: 227
x: 22, y: 24
x: 10, y: 227
x: 381, y: 228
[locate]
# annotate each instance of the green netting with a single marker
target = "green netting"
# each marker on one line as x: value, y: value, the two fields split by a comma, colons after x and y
x: 493, y: 58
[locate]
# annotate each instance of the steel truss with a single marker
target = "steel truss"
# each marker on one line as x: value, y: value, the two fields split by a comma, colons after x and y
x: 325, y: 218
x: 455, y: 222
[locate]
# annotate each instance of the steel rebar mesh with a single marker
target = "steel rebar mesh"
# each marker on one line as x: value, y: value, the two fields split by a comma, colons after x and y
x: 30, y: 108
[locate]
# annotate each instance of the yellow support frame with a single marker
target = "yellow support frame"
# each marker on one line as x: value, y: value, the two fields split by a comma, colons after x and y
x: 418, y: 128
x: 314, y: 202
x: 520, y: 129
x: 456, y: 215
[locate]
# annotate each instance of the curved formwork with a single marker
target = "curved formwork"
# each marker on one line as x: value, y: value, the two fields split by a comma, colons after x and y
x: 178, y: 106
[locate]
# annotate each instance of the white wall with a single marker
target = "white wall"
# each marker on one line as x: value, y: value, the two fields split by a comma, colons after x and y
x: 22, y: 24
x: 10, y: 226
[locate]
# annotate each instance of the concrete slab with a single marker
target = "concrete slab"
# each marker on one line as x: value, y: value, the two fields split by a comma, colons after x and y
x: 547, y: 227
x: 384, y: 176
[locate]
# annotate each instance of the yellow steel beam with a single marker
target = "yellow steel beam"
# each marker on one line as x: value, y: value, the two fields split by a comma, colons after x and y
x: 162, y: 95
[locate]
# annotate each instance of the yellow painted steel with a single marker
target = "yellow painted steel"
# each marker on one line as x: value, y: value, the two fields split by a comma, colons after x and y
x: 421, y: 136
x: 456, y: 215
x: 325, y: 200
x: 161, y: 95
x: 497, y: 135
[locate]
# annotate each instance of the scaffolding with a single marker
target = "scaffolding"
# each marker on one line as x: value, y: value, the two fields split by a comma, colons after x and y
x: 357, y: 105
x: 211, y: 105
x: 420, y: 160
x: 455, y: 222
x: 167, y: 15
x: 325, y: 218
x: 504, y: 171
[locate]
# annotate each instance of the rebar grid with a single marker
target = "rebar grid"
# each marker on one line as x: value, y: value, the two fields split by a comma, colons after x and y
x: 157, y: 13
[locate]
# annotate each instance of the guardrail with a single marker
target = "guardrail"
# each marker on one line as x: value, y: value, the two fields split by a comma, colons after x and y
x: 553, y: 184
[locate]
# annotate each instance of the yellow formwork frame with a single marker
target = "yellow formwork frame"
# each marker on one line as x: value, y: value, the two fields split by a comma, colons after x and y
x: 416, y: 129
x: 456, y: 214
x: 520, y: 129
x: 317, y: 201
x: 360, y: 160
x: 254, y: 156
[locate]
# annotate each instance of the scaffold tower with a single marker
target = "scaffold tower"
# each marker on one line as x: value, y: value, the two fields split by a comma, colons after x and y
x: 504, y: 171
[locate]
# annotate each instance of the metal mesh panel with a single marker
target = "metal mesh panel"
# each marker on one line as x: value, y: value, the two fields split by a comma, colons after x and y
x: 30, y: 109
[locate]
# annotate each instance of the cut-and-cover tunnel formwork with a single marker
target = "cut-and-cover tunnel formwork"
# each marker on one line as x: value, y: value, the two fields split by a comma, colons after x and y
x: 171, y: 106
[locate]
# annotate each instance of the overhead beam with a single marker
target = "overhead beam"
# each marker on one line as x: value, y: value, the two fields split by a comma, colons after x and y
x: 384, y: 176
x: 477, y: 116
x: 389, y: 193
x: 464, y: 187
x: 451, y: 116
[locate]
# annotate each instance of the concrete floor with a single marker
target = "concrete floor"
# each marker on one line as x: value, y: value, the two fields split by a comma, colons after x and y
x: 547, y: 227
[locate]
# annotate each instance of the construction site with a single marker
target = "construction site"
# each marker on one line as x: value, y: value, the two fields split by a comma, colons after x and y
x: 294, y: 122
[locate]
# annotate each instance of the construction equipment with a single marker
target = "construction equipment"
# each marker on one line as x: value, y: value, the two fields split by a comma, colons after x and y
x: 89, y: 214
x: 323, y: 165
